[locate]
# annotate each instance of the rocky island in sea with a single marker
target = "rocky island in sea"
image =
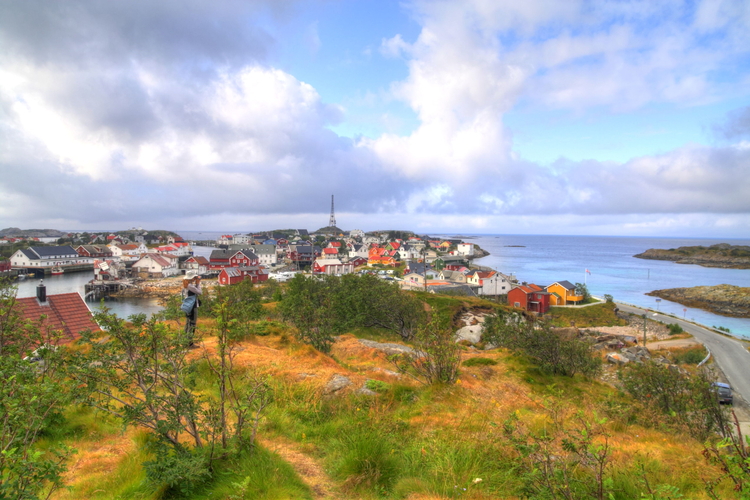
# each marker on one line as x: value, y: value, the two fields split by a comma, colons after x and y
x: 720, y: 255
x: 727, y: 300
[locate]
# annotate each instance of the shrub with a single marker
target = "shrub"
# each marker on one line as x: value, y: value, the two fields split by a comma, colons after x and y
x: 555, y: 354
x: 609, y: 298
x: 436, y: 355
x: 377, y: 385
x: 479, y: 362
x: 675, y: 329
x: 688, y: 403
x: 689, y: 356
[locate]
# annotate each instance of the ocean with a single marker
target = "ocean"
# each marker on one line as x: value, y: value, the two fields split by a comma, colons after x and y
x: 613, y: 269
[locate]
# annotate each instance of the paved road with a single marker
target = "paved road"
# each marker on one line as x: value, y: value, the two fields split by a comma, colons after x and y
x: 729, y: 353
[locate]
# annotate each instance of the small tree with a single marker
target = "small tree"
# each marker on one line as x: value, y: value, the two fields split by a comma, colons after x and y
x: 308, y: 305
x: 32, y: 397
x: 583, y: 290
x: 436, y: 355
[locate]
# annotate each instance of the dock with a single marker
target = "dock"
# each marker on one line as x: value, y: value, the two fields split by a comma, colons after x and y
x: 98, y: 289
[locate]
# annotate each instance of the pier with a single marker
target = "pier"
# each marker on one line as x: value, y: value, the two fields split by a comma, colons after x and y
x: 98, y: 289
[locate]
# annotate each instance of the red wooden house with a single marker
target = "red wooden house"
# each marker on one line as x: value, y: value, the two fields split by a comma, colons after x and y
x: 231, y: 258
x: 358, y: 261
x: 233, y: 275
x: 530, y: 297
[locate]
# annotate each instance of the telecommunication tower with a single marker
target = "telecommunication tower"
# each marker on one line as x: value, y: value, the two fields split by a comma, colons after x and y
x: 332, y: 220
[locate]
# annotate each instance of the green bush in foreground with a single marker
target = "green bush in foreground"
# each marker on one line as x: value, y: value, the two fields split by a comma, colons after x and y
x: 675, y: 329
x: 479, y: 362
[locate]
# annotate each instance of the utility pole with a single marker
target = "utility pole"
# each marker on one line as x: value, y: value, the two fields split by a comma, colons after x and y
x: 644, y: 330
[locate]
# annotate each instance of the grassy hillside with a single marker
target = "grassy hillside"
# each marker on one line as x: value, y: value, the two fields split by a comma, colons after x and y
x: 477, y: 439
x: 601, y: 314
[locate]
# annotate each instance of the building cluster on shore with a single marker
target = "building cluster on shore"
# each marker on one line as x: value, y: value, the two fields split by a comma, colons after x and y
x: 416, y: 262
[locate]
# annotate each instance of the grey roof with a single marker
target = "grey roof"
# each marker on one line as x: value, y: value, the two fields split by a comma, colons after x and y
x: 35, y: 253
x: 232, y: 272
x: 567, y: 284
x: 222, y: 254
x: 416, y: 267
x: 264, y: 249
x: 248, y: 253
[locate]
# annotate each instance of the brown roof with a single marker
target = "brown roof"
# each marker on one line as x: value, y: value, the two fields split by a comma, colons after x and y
x: 65, y: 311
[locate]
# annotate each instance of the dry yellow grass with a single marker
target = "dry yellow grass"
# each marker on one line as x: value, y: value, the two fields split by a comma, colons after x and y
x: 483, y: 394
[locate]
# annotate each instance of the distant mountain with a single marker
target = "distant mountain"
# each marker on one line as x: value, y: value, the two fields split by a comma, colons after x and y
x: 329, y: 230
x: 14, y: 232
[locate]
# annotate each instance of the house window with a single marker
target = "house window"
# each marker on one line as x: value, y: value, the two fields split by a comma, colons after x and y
x: 517, y: 304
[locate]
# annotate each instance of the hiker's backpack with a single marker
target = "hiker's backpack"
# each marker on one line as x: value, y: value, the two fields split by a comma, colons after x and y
x: 188, y: 304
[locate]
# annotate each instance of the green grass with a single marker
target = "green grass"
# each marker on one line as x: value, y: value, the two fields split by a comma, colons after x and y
x: 598, y: 315
x: 479, y: 361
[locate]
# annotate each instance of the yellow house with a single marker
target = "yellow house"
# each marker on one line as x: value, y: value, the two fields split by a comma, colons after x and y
x: 563, y: 293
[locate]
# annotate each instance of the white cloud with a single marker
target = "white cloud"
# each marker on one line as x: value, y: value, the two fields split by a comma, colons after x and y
x: 116, y: 129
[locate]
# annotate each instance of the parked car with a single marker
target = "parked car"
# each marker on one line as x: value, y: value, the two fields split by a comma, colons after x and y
x: 724, y: 392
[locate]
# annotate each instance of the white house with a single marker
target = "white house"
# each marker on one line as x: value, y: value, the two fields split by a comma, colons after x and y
x: 358, y: 251
x: 465, y: 249
x: 266, y: 254
x: 131, y: 249
x: 154, y: 265
x: 240, y: 239
x: 178, y: 249
x: 490, y: 282
x: 48, y: 257
x: 331, y: 266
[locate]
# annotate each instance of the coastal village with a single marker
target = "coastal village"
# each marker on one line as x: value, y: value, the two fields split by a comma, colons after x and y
x: 354, y: 369
x: 127, y: 261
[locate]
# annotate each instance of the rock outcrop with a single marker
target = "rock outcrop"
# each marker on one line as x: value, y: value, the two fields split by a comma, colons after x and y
x: 720, y: 255
x: 727, y: 300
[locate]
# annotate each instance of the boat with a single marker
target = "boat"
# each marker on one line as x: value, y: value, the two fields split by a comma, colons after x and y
x: 56, y: 270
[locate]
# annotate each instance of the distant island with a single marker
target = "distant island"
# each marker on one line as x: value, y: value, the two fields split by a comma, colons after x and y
x: 727, y: 300
x: 720, y: 255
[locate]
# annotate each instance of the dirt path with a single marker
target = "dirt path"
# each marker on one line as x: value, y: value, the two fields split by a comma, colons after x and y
x: 666, y: 344
x: 311, y: 472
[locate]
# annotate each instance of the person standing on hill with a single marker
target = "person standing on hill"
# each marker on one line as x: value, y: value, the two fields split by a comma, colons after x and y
x: 192, y: 288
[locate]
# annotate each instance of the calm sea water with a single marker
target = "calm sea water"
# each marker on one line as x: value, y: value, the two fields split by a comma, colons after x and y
x: 546, y: 259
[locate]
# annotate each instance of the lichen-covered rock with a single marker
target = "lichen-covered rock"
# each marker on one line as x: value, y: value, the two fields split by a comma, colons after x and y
x: 472, y: 333
x: 727, y: 300
x: 388, y: 348
x: 617, y: 358
x: 336, y: 383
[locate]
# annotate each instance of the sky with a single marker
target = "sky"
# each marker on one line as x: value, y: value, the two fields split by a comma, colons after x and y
x: 473, y: 116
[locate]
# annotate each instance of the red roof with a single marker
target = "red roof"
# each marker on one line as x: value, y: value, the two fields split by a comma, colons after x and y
x: 65, y: 311
x: 330, y: 251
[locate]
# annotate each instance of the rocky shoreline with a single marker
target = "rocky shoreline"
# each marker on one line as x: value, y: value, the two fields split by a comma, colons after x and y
x: 721, y: 255
x: 160, y: 289
x: 726, y: 300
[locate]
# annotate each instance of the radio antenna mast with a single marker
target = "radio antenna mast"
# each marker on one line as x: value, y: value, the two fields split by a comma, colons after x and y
x: 332, y: 220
